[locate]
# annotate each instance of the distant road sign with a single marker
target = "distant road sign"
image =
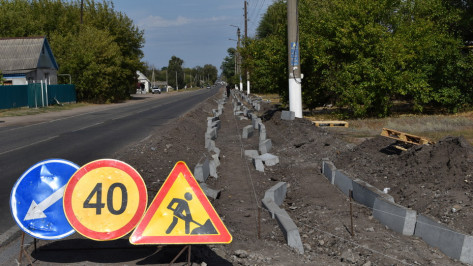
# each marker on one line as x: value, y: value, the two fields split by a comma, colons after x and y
x: 180, y: 214
x: 36, y: 199
x: 105, y: 199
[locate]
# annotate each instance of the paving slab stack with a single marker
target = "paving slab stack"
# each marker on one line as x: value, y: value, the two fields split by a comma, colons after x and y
x: 261, y: 158
x: 399, y: 218
x: 207, y: 167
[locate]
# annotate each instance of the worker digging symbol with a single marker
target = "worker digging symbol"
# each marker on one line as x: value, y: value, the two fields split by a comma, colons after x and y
x: 181, y: 210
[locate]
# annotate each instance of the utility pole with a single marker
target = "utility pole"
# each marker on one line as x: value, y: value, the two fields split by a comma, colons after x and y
x: 294, y: 69
x: 167, y: 84
x: 239, y: 60
x: 246, y: 36
x: 177, y: 85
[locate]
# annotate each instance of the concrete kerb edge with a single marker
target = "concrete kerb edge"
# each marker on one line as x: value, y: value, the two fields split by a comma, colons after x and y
x: 210, y: 166
x: 274, y: 197
x: 453, y: 244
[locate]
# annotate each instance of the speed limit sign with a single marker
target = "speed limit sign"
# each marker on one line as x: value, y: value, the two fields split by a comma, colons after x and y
x: 105, y: 199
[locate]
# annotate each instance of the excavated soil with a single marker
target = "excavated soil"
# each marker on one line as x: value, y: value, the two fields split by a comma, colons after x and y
x: 430, y: 179
x: 435, y: 180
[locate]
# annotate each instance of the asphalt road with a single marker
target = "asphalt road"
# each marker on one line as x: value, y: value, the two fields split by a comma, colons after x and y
x: 85, y: 137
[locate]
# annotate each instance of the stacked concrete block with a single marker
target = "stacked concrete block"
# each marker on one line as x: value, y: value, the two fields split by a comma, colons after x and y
x: 255, y: 122
x: 258, y: 164
x: 262, y: 132
x: 211, y: 120
x: 212, y: 133
x: 249, y: 114
x: 211, y: 145
x: 265, y: 146
x: 211, y: 193
x: 251, y: 154
x: 214, y: 124
x: 269, y: 159
x: 273, y: 198
x: 288, y: 115
x: 216, y: 160
x: 257, y: 107
x: 247, y: 132
x: 209, y: 167
x: 202, y: 171
x: 213, y: 169
x: 398, y: 218
x: 245, y: 111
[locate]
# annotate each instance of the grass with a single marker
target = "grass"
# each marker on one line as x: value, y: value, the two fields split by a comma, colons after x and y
x: 433, y: 127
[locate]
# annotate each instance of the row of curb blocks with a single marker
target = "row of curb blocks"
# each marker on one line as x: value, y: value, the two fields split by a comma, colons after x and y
x: 274, y: 196
x: 401, y: 219
x: 264, y: 146
x: 207, y: 168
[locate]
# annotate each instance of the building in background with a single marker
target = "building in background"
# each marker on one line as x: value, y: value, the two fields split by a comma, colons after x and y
x: 27, y: 60
x: 143, y: 83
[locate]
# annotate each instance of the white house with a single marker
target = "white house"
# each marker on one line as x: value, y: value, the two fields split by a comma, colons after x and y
x: 142, y: 79
x: 27, y: 60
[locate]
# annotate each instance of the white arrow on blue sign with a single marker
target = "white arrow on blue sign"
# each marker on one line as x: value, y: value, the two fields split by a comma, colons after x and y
x: 36, y: 199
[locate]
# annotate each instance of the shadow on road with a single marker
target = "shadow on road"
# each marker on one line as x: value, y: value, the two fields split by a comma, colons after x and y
x: 84, y: 251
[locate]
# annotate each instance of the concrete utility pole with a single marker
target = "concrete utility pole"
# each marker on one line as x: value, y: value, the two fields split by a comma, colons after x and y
x: 239, y: 60
x: 295, y: 92
x: 246, y: 36
x: 177, y: 85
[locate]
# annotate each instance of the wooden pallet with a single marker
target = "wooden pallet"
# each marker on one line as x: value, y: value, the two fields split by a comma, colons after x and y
x: 404, y: 137
x: 330, y: 123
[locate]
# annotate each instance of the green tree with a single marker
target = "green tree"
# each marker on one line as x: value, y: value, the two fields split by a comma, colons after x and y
x: 59, y: 20
x: 228, y: 66
x: 93, y: 60
x: 210, y: 73
x: 362, y: 55
x: 175, y: 72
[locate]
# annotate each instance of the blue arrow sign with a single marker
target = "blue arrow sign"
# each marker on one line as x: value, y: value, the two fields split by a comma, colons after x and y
x: 36, y: 199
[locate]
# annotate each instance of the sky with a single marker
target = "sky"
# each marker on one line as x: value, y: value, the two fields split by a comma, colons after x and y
x: 197, y: 31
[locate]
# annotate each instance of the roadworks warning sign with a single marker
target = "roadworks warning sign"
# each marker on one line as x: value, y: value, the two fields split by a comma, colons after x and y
x: 180, y: 214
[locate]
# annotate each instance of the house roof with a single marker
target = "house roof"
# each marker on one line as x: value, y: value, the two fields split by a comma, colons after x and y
x: 23, y: 54
x: 141, y: 76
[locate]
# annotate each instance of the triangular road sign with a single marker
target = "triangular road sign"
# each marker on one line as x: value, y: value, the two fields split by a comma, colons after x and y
x: 180, y: 214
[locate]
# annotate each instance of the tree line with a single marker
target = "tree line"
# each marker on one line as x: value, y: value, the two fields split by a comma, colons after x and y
x: 365, y: 55
x: 101, y: 54
x: 185, y: 77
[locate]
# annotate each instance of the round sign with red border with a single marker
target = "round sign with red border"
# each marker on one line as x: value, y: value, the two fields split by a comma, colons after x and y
x: 105, y: 199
